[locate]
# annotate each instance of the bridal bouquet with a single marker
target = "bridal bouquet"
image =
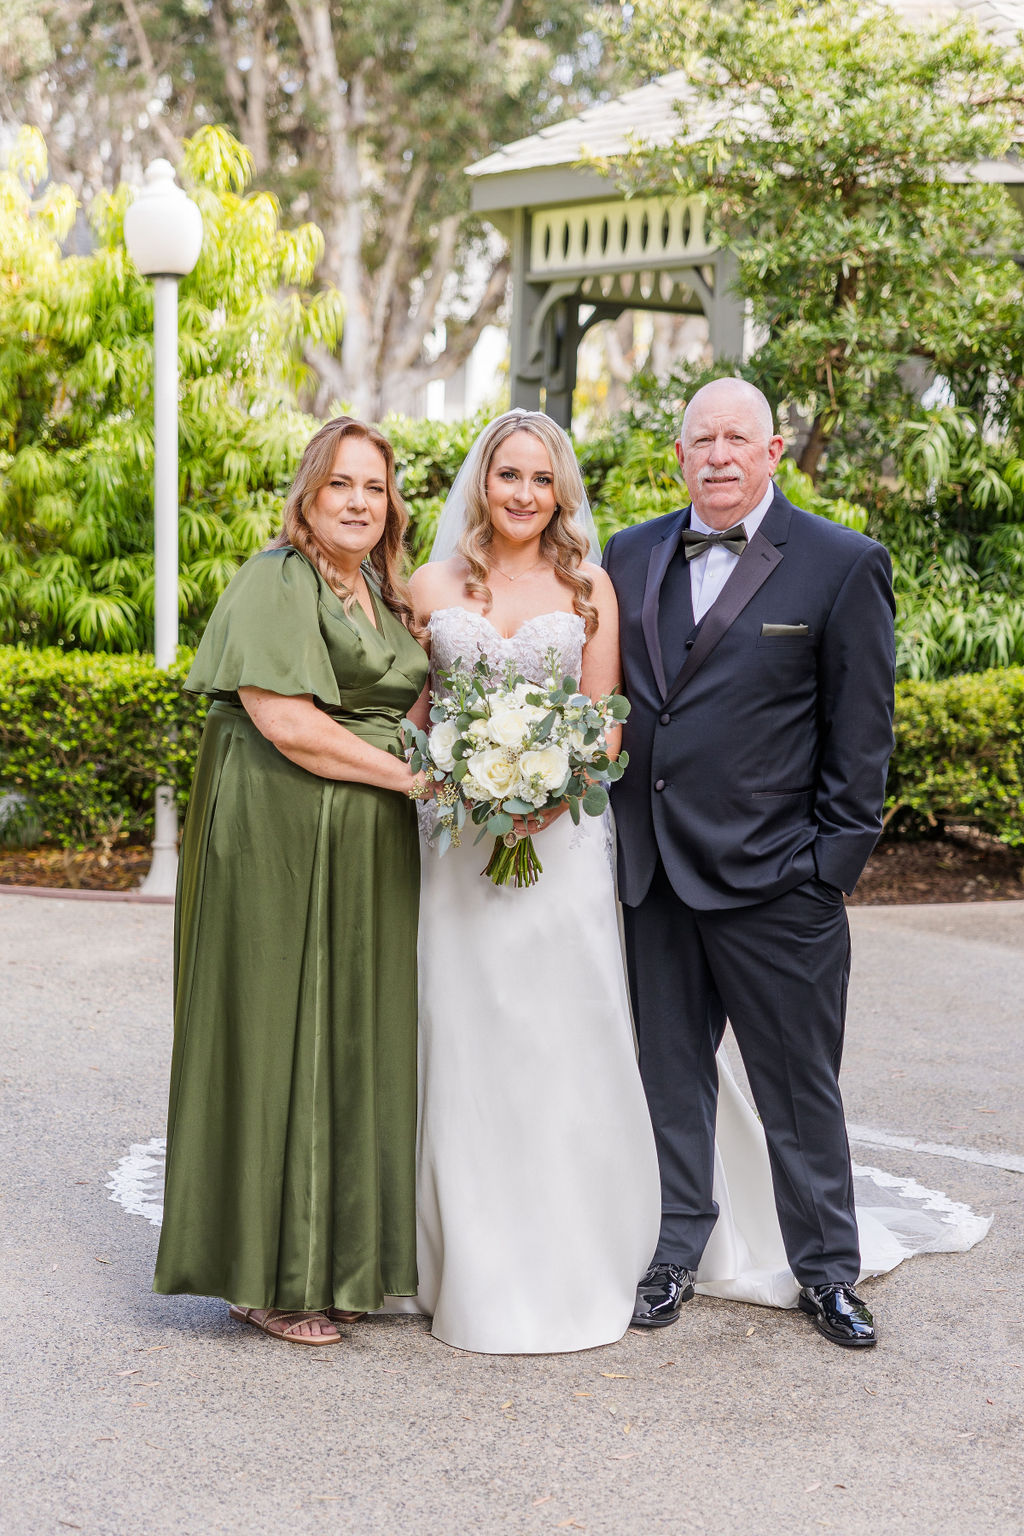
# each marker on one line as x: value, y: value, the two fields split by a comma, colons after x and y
x: 513, y: 749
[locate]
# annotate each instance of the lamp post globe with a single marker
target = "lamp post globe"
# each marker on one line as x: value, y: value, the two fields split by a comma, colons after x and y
x: 163, y: 230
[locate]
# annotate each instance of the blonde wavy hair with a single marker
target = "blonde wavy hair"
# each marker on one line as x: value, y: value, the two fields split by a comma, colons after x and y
x: 563, y: 543
x: 387, y: 558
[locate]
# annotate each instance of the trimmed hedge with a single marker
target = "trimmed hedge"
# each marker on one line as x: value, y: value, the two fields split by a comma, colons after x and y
x: 86, y: 737
x: 960, y: 753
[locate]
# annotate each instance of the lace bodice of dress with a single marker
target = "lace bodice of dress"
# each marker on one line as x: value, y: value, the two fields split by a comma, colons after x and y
x: 457, y: 634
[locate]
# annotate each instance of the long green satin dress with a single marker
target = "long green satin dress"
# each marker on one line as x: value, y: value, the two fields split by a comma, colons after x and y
x: 292, y: 1122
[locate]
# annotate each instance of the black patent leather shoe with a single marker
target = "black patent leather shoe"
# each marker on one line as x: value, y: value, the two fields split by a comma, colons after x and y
x: 838, y: 1312
x: 660, y: 1295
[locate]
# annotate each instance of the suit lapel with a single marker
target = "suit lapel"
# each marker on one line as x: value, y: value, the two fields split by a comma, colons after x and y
x: 660, y: 559
x: 753, y: 568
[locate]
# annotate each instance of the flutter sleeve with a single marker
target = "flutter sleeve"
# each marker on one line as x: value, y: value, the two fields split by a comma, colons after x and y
x: 265, y: 633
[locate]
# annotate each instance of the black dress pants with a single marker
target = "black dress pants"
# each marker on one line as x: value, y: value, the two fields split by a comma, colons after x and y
x: 779, y: 971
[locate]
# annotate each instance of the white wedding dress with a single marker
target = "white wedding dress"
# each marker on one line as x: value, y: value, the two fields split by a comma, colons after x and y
x: 538, y: 1193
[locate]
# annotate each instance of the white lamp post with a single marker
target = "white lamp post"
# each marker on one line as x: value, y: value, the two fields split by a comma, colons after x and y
x: 163, y: 230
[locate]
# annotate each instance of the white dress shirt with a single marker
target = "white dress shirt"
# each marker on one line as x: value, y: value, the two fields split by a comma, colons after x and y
x: 710, y: 571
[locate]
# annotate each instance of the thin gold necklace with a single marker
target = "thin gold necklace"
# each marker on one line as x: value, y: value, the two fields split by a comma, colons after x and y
x: 535, y: 566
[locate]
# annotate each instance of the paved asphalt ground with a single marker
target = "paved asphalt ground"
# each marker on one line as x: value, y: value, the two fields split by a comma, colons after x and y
x: 125, y: 1412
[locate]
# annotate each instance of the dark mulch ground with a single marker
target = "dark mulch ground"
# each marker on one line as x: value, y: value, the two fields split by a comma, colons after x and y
x: 959, y: 867
x: 963, y: 866
x: 120, y: 869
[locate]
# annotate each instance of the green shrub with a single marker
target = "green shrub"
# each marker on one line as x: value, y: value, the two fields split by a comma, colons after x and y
x: 86, y: 737
x: 960, y: 754
x: 428, y: 456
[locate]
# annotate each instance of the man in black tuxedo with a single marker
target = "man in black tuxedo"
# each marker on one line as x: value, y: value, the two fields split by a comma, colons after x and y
x: 758, y: 655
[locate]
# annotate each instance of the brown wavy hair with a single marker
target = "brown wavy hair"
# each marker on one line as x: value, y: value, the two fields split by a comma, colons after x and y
x: 563, y: 543
x: 387, y: 558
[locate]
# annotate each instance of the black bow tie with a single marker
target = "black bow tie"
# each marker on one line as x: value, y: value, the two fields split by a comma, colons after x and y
x: 696, y: 543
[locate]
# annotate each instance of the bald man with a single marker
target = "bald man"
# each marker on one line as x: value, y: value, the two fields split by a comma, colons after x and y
x: 758, y: 655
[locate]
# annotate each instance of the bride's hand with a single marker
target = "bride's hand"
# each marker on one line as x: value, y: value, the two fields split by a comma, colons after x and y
x: 529, y: 826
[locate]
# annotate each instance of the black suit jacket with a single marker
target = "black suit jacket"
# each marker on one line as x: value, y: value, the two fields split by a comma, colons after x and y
x: 762, y: 762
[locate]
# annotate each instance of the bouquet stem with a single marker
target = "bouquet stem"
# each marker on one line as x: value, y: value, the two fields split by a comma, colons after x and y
x: 514, y: 863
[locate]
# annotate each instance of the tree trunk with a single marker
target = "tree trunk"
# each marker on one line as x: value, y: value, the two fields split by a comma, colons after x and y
x: 817, y: 442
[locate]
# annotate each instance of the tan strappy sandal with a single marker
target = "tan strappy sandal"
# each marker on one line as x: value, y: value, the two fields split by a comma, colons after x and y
x: 337, y: 1316
x: 273, y: 1315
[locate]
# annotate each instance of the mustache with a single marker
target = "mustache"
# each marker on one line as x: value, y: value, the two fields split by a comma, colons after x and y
x: 709, y: 476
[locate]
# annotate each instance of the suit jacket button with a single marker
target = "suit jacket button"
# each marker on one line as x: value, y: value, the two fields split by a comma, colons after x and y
x: 659, y: 785
x: 664, y: 719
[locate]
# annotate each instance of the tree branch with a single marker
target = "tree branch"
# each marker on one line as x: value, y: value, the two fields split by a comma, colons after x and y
x: 407, y: 349
x: 232, y: 74
x: 304, y: 28
x: 466, y: 337
x: 149, y: 69
x: 502, y: 19
x: 258, y: 136
x: 396, y: 233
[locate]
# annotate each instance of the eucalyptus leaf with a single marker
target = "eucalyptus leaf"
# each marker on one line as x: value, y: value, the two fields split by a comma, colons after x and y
x: 595, y: 800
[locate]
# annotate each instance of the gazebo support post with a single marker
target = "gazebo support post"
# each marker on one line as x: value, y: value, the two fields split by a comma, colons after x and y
x: 562, y: 336
x: 525, y: 375
x: 727, y: 312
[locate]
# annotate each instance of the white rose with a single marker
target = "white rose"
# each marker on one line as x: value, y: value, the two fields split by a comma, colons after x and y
x: 579, y: 746
x: 546, y: 767
x: 477, y: 732
x: 491, y: 775
x: 507, y: 726
x: 442, y: 738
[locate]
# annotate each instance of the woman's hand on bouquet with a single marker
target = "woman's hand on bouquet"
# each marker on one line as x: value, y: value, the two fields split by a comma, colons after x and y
x: 423, y: 787
x: 529, y: 826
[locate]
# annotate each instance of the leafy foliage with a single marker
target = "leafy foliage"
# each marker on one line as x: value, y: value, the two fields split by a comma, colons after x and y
x: 76, y: 407
x: 86, y: 738
x: 361, y: 117
x: 428, y: 456
x: 960, y: 754
x: 825, y: 138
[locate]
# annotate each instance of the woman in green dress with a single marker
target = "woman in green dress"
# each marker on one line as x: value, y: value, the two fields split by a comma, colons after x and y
x: 291, y: 1130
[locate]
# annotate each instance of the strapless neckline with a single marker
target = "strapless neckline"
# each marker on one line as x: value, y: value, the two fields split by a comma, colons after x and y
x: 537, y: 618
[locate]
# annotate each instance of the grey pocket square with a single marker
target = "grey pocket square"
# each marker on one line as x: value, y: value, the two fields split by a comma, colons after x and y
x: 793, y: 630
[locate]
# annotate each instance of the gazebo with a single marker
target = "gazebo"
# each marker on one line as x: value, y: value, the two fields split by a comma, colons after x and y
x: 583, y: 252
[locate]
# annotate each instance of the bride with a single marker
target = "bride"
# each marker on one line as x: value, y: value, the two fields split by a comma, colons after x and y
x: 537, y: 1188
